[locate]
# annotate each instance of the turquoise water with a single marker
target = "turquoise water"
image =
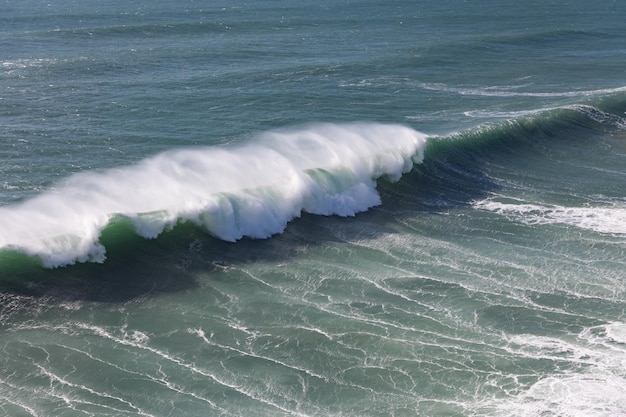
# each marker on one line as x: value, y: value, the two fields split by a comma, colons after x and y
x: 356, y: 208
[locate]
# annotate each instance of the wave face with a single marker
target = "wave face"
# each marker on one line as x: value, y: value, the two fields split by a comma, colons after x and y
x: 252, y: 190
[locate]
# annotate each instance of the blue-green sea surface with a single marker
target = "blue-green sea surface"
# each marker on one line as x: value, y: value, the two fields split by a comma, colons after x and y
x: 334, y: 208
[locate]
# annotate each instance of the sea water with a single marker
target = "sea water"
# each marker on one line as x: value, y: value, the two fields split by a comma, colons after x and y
x: 333, y: 208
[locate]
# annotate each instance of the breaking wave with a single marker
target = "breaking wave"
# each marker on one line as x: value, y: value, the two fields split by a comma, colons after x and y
x: 252, y: 190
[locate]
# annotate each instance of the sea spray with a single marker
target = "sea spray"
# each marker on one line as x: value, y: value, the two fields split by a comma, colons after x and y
x: 251, y: 190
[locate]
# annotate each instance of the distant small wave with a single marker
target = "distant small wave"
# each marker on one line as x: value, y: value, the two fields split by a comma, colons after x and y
x: 503, y: 92
x: 609, y: 219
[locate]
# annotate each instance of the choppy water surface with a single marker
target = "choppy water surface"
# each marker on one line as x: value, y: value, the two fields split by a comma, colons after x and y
x: 333, y: 209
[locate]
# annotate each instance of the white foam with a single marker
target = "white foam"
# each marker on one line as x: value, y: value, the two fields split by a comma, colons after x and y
x: 616, y: 333
x: 252, y: 190
x: 594, y: 385
x: 608, y: 218
x: 573, y: 395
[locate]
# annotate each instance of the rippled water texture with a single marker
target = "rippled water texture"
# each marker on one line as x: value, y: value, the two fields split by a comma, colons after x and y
x: 355, y: 208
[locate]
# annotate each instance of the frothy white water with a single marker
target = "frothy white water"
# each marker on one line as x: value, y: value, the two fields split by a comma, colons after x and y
x: 252, y: 190
x: 595, y: 384
x: 607, y: 218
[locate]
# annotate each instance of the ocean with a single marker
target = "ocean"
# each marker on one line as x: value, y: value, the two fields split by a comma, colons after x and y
x: 336, y: 208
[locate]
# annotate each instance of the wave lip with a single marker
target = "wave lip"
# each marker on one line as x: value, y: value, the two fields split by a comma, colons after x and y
x: 251, y: 190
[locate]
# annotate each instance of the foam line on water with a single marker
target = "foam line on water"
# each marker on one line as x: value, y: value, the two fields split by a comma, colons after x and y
x: 202, y: 336
x: 511, y: 92
x: 251, y: 190
x: 608, y: 219
x: 58, y: 380
x: 190, y: 367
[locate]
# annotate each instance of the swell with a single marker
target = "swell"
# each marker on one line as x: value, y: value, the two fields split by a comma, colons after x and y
x: 537, y: 129
x: 132, y: 26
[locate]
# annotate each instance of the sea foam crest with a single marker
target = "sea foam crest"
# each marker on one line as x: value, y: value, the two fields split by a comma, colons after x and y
x: 251, y: 190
